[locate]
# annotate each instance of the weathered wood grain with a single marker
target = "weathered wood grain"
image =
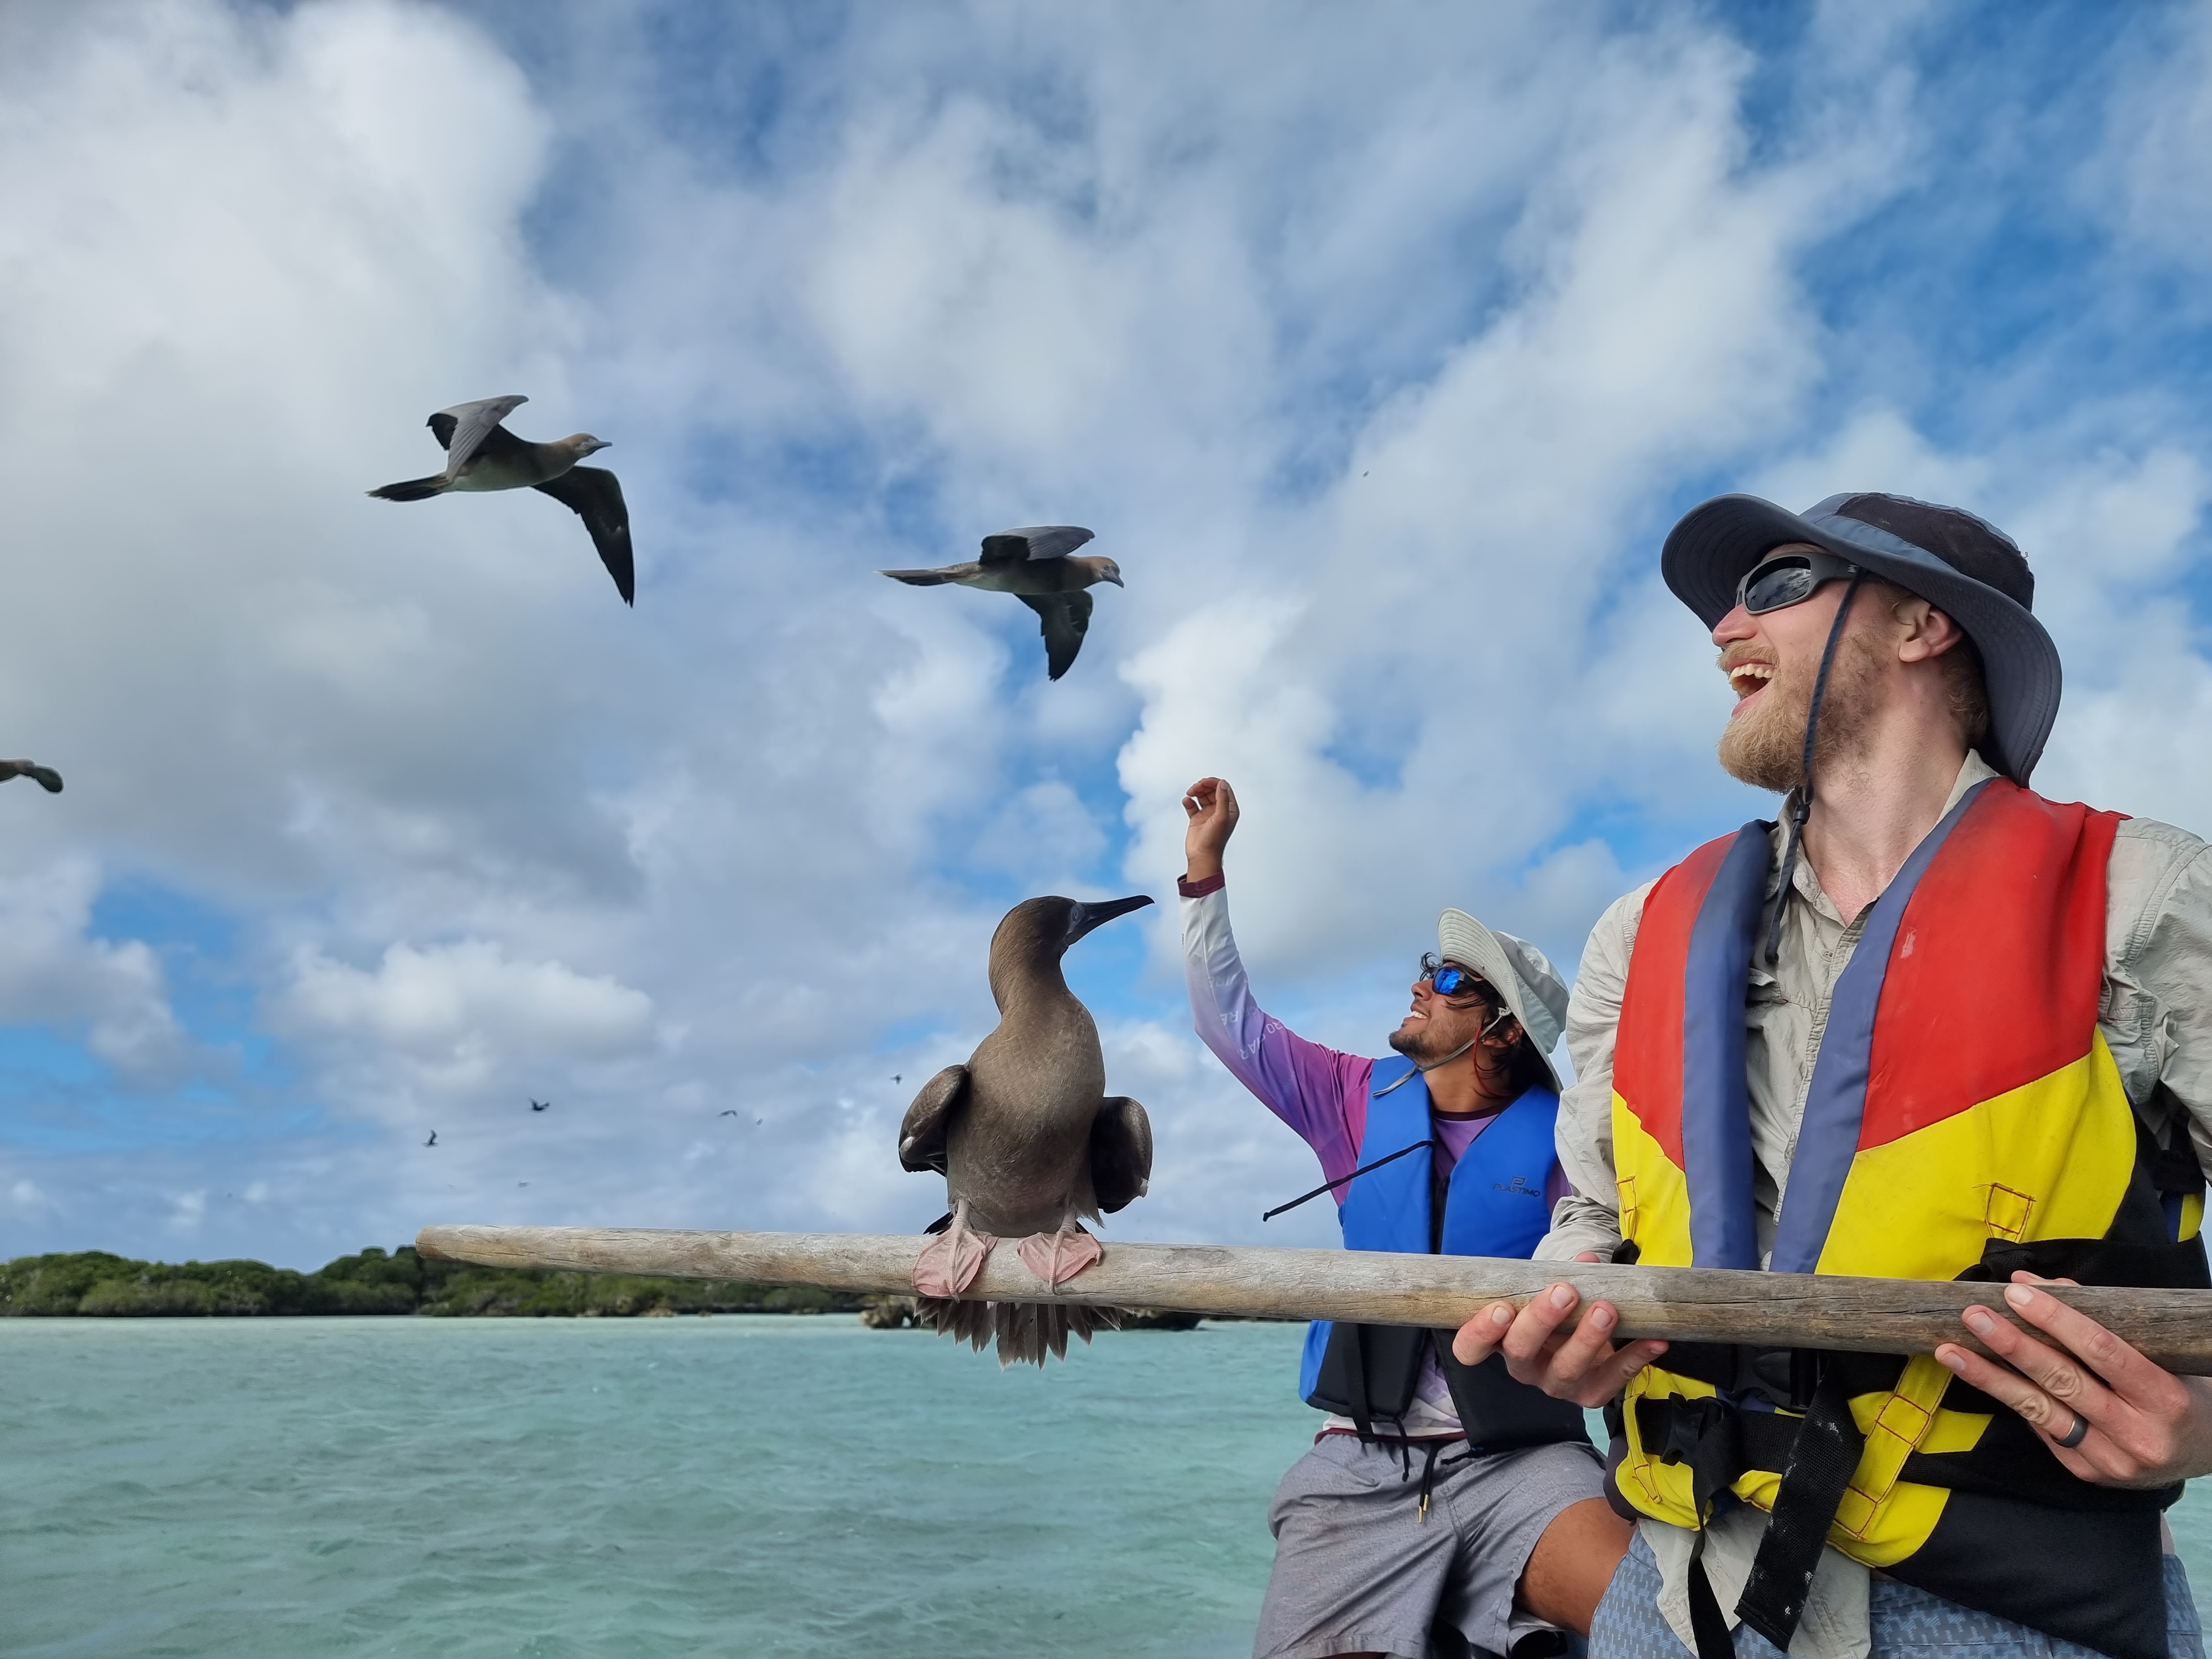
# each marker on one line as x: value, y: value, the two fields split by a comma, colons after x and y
x: 1704, y: 1305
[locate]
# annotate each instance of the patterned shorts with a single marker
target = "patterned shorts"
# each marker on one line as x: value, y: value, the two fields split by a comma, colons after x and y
x: 1907, y: 1623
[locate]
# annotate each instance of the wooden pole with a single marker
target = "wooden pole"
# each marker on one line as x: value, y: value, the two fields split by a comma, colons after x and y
x: 1699, y: 1304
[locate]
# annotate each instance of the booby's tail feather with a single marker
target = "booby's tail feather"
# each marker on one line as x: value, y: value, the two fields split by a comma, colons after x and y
x: 1026, y: 1331
x: 413, y: 489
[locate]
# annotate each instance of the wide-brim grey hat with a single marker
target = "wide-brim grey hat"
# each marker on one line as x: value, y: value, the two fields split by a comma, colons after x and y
x: 1965, y: 567
x: 1517, y: 971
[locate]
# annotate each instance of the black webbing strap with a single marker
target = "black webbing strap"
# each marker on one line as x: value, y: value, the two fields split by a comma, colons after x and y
x: 1822, y: 1458
x: 1355, y: 1377
x: 1704, y: 1433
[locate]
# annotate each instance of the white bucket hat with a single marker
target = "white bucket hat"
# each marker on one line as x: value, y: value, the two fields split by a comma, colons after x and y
x: 1521, y: 974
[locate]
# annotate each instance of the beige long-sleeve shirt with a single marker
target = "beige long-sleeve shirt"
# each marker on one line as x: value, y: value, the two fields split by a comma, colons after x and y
x: 2156, y: 1015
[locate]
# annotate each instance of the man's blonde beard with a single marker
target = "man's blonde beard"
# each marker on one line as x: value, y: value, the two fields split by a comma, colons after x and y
x: 1765, y: 747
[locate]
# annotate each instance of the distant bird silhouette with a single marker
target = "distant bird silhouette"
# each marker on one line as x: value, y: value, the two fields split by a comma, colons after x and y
x: 481, y: 455
x: 45, y: 776
x: 732, y: 1112
x: 539, y: 1105
x: 522, y: 1183
x: 432, y: 1140
x: 895, y: 1078
x: 1034, y: 565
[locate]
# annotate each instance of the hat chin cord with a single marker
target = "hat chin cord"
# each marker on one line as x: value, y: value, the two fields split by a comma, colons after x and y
x: 1503, y: 1015
x: 1803, y: 808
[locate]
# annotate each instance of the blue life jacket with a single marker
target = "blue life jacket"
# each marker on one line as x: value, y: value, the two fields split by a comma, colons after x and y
x: 1494, y: 1205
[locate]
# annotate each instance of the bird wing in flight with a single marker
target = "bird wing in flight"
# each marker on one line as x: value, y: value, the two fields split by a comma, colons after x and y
x: 1036, y: 541
x: 929, y: 1120
x: 465, y: 428
x: 951, y: 573
x: 1121, y: 1152
x: 596, y: 498
x: 1063, y: 619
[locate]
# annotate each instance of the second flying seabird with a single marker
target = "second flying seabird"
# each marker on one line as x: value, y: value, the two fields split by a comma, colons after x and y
x: 481, y: 455
x: 1027, y: 1140
x: 1033, y: 564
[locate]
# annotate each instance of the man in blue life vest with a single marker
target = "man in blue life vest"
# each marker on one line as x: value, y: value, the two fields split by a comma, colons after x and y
x: 1930, y: 1025
x: 1443, y: 1508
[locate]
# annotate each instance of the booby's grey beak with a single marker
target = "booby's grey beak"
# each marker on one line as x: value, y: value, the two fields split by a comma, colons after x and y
x: 1081, y: 918
x: 1113, y: 576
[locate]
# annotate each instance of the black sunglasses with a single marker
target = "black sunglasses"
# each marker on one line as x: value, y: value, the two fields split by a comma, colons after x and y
x: 1450, y: 980
x: 1789, y: 579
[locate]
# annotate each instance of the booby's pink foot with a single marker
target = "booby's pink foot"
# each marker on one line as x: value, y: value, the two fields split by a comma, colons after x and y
x: 1058, y: 1257
x: 948, y: 1264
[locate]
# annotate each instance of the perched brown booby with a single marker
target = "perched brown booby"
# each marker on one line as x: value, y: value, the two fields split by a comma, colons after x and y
x: 1034, y: 565
x: 481, y: 455
x: 1028, y: 1141
x: 45, y: 776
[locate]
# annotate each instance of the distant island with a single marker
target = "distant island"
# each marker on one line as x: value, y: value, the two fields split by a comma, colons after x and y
x: 92, y: 1283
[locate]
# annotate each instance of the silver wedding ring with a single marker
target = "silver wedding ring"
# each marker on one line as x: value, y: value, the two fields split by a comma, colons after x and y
x: 2075, y: 1436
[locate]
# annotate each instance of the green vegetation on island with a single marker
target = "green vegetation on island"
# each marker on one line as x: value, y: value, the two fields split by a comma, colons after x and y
x: 92, y: 1283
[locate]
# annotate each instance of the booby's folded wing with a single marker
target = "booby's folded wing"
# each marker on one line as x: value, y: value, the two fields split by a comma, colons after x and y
x: 1036, y: 541
x: 929, y: 1120
x: 464, y: 428
x: 1063, y: 619
x: 1121, y: 1153
x: 596, y: 498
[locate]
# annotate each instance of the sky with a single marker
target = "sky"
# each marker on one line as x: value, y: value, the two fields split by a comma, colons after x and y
x: 1379, y: 345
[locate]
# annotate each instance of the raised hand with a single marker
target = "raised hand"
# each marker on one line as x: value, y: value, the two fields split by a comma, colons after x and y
x: 1211, y: 805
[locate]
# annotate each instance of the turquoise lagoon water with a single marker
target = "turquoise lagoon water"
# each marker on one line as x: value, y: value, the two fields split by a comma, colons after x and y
x: 729, y: 1485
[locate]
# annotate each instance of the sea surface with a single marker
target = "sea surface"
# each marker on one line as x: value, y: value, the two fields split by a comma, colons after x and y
x: 750, y: 1485
x: 755, y: 1486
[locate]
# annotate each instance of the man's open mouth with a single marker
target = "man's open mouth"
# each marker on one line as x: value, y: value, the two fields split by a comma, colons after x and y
x: 1747, y: 680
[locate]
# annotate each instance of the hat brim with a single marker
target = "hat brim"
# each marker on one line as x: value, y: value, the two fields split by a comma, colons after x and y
x: 1716, y: 543
x: 1473, y: 945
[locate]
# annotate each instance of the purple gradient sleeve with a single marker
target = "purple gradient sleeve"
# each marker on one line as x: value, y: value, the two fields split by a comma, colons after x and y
x: 1320, y: 1092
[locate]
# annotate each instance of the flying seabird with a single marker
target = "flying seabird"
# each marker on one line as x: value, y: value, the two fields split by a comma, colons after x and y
x: 731, y: 1112
x: 481, y: 455
x: 432, y: 1140
x: 537, y: 1105
x: 897, y: 1077
x: 1034, y: 565
x: 1028, y: 1141
x: 45, y: 776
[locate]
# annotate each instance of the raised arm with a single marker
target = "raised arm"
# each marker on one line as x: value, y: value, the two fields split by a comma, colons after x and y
x: 1320, y: 1092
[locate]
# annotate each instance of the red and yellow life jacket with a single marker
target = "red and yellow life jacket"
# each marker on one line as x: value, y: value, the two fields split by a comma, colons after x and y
x: 1964, y: 1118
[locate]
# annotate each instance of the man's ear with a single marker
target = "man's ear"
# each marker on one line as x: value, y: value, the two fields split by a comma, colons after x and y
x: 1925, y: 632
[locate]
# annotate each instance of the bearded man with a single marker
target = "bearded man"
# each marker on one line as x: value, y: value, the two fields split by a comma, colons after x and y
x: 1928, y: 1025
x: 1443, y: 1508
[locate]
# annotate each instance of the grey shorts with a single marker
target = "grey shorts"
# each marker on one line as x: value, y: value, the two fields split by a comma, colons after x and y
x: 1358, y: 1571
x: 1905, y: 1623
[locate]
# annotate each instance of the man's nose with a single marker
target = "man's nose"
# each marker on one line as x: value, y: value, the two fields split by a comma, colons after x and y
x: 1736, y: 625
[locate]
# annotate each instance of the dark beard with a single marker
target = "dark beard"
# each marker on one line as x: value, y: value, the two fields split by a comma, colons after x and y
x: 1413, y: 1045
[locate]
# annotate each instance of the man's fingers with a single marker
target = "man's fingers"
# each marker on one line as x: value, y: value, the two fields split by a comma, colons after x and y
x: 2048, y: 1417
x: 1588, y: 1345
x: 1478, y: 1338
x: 1533, y: 1327
x: 2090, y: 1348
